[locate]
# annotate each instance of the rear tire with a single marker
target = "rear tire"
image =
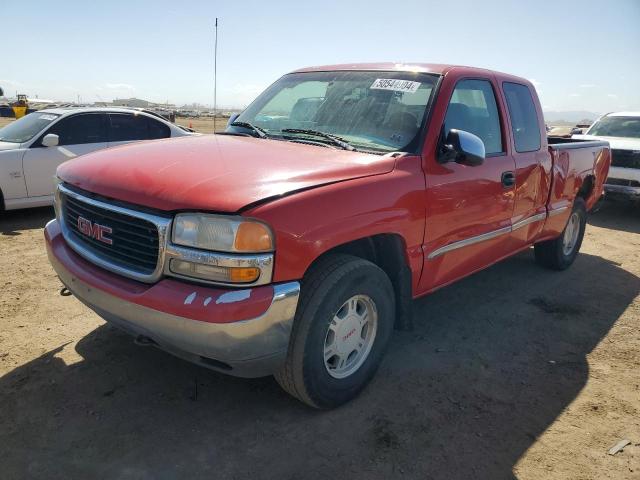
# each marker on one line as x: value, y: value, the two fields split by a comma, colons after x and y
x: 343, y: 324
x: 560, y: 253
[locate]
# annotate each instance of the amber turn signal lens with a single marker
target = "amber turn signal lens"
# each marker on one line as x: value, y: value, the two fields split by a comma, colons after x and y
x: 253, y: 237
x: 214, y: 273
x: 243, y: 275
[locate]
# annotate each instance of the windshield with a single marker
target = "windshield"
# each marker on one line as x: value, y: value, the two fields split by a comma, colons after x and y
x: 628, y: 127
x: 27, y: 127
x: 375, y: 111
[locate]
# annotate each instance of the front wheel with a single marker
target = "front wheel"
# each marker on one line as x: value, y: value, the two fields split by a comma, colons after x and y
x: 342, y: 327
x: 560, y: 253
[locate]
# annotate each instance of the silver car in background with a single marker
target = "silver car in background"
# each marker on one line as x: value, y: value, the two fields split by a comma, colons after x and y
x: 32, y: 147
x: 622, y: 131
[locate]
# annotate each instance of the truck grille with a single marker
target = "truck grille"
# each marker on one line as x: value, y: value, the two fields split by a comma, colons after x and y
x: 128, y: 242
x: 625, y: 158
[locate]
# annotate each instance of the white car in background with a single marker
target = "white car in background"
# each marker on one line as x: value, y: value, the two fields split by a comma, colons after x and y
x: 622, y: 131
x: 32, y: 147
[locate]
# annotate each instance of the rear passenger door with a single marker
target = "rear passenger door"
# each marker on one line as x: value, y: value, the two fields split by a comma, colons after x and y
x: 131, y: 127
x: 77, y: 135
x: 532, y: 160
x: 469, y: 208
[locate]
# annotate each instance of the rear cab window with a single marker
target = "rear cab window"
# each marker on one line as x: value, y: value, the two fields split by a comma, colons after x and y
x: 524, y: 117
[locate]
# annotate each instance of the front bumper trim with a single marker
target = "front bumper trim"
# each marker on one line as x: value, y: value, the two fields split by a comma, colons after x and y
x: 254, y: 347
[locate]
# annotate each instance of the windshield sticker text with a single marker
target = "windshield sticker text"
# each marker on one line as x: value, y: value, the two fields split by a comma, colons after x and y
x: 47, y: 117
x: 395, y: 85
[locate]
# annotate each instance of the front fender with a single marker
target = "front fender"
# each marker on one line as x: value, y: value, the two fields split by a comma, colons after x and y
x: 12, y: 181
x: 310, y: 223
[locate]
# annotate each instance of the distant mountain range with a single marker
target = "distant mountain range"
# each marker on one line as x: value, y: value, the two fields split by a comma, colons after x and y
x: 571, y: 116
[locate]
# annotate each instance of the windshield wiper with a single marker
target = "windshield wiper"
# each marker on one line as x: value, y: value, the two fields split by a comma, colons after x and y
x: 259, y: 131
x: 340, y: 142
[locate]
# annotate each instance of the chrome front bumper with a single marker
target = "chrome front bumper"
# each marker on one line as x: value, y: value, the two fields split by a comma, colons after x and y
x: 248, y: 348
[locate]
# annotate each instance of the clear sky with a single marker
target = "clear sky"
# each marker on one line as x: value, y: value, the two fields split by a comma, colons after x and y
x: 581, y: 55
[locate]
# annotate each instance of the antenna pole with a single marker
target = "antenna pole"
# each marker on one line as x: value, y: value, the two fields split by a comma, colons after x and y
x: 215, y: 79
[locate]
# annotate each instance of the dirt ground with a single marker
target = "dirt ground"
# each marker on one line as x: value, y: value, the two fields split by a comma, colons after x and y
x: 203, y: 125
x: 515, y: 372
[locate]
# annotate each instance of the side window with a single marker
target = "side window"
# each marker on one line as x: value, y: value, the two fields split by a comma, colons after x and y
x: 473, y: 108
x: 80, y: 129
x: 126, y: 127
x: 524, y: 118
x: 157, y: 129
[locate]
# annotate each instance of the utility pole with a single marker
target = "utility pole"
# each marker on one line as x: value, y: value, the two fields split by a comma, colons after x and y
x: 215, y: 79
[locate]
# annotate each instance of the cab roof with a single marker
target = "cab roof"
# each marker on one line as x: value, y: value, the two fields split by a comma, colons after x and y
x: 437, y: 68
x: 433, y: 68
x: 383, y: 67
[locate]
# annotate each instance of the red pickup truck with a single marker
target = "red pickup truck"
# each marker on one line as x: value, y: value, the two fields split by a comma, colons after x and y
x: 294, y: 242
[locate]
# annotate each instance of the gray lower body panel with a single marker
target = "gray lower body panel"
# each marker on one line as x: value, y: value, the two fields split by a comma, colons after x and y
x: 249, y: 348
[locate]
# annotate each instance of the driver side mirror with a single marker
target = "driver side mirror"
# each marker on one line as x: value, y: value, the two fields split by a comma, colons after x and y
x: 462, y: 147
x: 50, y: 140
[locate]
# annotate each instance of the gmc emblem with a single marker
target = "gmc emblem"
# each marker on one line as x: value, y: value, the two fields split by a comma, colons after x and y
x: 94, y: 230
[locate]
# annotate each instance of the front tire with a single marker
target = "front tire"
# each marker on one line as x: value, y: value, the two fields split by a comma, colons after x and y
x: 341, y: 330
x: 560, y: 253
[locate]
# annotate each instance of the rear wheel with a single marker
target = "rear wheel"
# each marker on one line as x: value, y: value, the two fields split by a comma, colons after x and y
x: 560, y: 253
x: 343, y: 324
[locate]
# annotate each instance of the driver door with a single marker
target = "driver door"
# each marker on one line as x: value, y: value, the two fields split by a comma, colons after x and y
x: 469, y: 208
x: 78, y: 134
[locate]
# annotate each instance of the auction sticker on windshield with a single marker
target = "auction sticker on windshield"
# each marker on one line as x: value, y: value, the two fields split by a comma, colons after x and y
x: 395, y: 85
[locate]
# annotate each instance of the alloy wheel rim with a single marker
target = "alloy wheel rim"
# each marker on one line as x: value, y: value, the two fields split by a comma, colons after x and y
x: 350, y: 336
x: 571, y: 232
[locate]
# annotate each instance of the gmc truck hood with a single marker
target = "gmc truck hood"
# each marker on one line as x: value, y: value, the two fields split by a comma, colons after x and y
x: 220, y: 173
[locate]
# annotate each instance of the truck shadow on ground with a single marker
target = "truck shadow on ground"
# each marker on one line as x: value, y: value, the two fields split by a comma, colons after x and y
x: 491, y: 363
x: 618, y: 215
x: 13, y: 221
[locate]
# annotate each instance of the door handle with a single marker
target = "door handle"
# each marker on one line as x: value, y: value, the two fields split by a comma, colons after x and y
x: 508, y: 179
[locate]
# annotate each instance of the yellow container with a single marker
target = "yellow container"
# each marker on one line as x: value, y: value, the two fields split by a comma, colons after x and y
x: 19, y: 112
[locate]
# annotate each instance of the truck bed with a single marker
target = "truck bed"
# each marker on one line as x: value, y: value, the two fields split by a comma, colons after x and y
x: 578, y: 166
x: 558, y: 143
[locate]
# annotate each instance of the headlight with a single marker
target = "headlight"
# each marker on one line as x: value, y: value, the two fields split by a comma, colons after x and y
x: 221, y: 234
